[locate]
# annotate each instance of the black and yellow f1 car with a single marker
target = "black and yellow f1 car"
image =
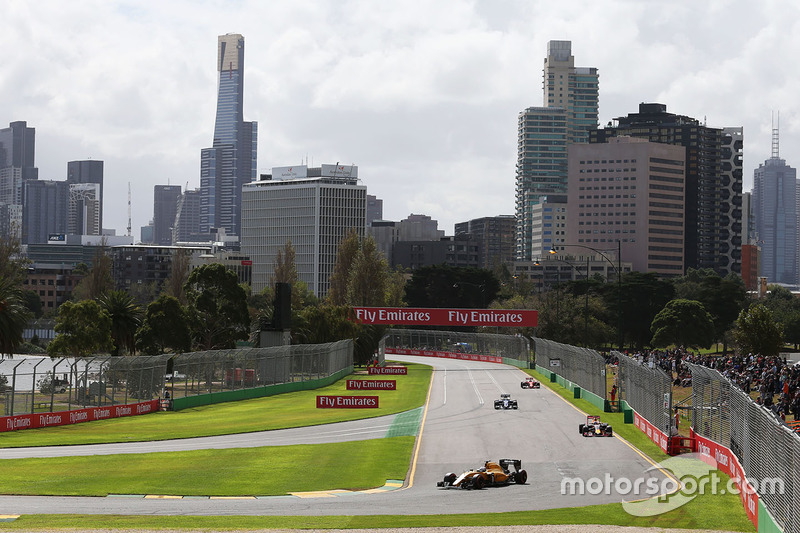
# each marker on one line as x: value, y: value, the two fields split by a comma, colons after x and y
x: 594, y: 428
x: 490, y: 475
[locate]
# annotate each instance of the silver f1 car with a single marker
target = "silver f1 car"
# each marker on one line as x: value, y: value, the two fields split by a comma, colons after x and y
x: 505, y: 402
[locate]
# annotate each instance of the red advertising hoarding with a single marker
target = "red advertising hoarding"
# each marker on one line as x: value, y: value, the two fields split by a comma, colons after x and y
x: 371, y: 384
x: 720, y: 456
x: 446, y: 317
x: 445, y: 355
x: 387, y: 371
x: 63, y: 418
x: 347, y: 402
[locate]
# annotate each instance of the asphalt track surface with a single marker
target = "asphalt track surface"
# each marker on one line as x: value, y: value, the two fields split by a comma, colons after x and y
x: 461, y: 429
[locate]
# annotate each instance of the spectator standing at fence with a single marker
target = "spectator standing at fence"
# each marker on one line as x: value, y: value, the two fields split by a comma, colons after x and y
x: 613, y: 393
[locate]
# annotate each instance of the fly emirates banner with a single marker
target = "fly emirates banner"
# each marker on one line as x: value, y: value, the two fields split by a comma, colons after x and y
x: 446, y: 317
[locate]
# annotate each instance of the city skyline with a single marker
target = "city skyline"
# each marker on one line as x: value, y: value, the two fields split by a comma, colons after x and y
x: 425, y: 100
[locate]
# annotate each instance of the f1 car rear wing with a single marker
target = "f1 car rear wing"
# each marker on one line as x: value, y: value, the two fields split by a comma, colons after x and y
x: 504, y: 463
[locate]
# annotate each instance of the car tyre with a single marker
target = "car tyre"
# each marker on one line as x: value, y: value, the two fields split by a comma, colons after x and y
x: 449, y: 478
x: 580, y: 428
x: 521, y: 477
x: 477, y: 482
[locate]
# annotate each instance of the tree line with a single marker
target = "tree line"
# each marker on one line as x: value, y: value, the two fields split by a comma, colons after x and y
x: 208, y: 308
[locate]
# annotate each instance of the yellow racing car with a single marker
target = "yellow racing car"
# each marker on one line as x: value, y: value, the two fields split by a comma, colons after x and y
x: 490, y: 475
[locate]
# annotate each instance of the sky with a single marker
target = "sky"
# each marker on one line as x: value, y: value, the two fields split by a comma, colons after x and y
x: 423, y: 96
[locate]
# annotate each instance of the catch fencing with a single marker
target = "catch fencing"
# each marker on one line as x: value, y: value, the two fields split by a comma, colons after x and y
x: 216, y: 371
x: 40, y: 384
x: 647, y: 389
x: 582, y: 366
x: 766, y: 448
x: 512, y: 347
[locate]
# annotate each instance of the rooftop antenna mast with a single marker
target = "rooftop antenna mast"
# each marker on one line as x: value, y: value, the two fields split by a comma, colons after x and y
x: 775, y: 135
x: 129, y: 209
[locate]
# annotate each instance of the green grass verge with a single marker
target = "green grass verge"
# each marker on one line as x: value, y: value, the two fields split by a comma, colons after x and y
x: 694, y: 515
x: 293, y: 409
x: 234, y: 472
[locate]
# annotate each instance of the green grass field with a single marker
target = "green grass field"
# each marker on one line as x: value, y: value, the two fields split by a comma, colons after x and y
x: 294, y: 409
x: 704, y: 512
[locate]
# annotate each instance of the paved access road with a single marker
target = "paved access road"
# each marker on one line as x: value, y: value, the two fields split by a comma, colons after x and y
x: 461, y: 430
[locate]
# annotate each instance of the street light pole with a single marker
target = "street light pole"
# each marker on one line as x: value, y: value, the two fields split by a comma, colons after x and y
x: 618, y: 269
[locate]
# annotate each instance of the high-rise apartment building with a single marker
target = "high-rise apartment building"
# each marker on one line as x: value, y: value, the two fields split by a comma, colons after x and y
x: 231, y: 160
x: 775, y: 206
x: 165, y: 207
x: 83, y: 209
x: 187, y: 217
x: 571, y: 102
x: 89, y: 171
x: 374, y: 209
x: 17, y: 147
x: 628, y: 195
x: 713, y: 181
x: 315, y: 210
x: 575, y: 89
x: 549, y: 225
x: 494, y: 236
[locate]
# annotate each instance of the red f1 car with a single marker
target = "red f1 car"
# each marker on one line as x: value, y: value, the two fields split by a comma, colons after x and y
x: 594, y: 428
x: 530, y: 383
x: 490, y: 475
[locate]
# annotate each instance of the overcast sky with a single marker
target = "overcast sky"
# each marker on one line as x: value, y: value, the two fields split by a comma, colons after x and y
x: 422, y: 95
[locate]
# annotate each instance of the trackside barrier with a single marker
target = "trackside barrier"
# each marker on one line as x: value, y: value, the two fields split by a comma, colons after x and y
x: 445, y: 355
x: 509, y: 349
x: 648, y: 391
x: 727, y: 421
x: 577, y: 390
x: 63, y: 418
x: 581, y: 367
x: 204, y: 378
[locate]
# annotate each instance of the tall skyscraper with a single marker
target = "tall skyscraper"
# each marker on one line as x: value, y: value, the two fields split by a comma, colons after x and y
x: 713, y: 181
x: 775, y: 206
x: 165, y: 207
x: 17, y: 147
x: 187, y: 217
x: 571, y: 102
x: 45, y: 210
x: 315, y: 210
x: 83, y: 209
x: 89, y: 171
x: 231, y: 160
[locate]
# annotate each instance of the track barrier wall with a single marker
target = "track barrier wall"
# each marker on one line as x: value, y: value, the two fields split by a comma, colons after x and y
x: 205, y: 378
x: 725, y: 416
x: 648, y: 391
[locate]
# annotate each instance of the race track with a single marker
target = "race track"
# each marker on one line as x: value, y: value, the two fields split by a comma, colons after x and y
x: 461, y: 430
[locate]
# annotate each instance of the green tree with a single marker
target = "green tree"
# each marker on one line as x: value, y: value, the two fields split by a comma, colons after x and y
x: 368, y: 276
x: 14, y: 315
x: 448, y: 286
x: 340, y: 278
x: 285, y: 268
x: 165, y: 328
x: 642, y: 296
x: 757, y: 332
x: 178, y: 274
x: 217, y: 307
x: 33, y: 302
x: 324, y: 323
x: 683, y: 323
x: 13, y: 266
x: 126, y: 317
x: 82, y: 328
x: 98, y: 280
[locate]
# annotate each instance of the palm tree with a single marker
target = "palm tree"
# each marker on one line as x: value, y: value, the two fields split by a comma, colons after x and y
x: 126, y: 317
x: 14, y: 316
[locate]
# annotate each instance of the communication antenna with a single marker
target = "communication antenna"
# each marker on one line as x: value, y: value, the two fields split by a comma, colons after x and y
x: 129, y: 209
x: 775, y: 135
